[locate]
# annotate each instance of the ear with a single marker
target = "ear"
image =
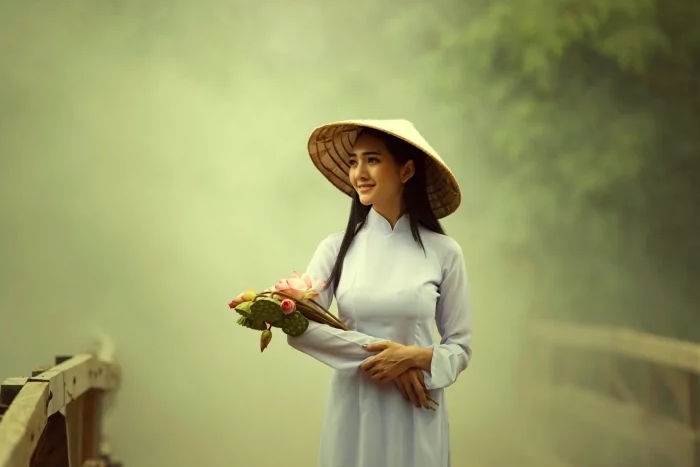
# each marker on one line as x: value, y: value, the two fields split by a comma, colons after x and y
x: 407, y: 171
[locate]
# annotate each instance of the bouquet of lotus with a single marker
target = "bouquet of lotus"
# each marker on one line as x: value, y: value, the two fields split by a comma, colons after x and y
x: 288, y: 305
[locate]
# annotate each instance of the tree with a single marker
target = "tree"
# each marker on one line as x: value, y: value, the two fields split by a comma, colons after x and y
x: 587, y: 115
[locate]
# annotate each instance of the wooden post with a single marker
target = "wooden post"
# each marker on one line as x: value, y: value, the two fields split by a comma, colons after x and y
x: 694, y: 414
x: 52, y: 419
x: 610, y: 388
x: 651, y: 405
x: 74, y: 431
x: 83, y: 427
x: 51, y: 450
x: 92, y: 414
x: 547, y: 375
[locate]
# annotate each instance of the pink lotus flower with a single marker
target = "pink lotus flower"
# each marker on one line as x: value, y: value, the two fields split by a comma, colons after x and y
x: 300, y: 287
x: 288, y: 306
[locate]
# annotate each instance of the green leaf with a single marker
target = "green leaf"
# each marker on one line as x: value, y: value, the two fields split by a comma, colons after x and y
x: 250, y: 324
x: 243, y: 309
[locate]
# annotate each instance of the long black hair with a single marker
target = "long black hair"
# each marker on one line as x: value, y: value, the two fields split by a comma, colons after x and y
x: 415, y: 198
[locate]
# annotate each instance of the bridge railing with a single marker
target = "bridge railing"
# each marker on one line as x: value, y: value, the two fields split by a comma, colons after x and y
x: 53, y: 417
x: 608, y: 396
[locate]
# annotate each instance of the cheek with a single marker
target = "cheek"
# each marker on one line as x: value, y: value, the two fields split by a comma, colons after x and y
x: 351, y: 175
x: 387, y: 179
x: 378, y: 174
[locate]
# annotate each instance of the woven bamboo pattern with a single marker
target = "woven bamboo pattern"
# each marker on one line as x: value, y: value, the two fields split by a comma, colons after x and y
x: 329, y: 146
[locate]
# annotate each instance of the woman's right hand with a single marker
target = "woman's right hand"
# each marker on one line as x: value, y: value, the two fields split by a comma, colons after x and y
x: 411, y: 385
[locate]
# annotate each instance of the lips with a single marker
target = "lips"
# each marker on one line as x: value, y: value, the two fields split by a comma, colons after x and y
x: 364, y: 188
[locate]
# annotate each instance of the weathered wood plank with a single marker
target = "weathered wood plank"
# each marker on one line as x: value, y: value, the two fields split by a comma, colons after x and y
x: 642, y: 346
x: 23, y: 424
x: 10, y: 388
x: 75, y: 376
x: 72, y: 384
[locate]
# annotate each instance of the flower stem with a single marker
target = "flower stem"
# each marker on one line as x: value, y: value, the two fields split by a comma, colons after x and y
x: 321, y: 307
x: 326, y: 313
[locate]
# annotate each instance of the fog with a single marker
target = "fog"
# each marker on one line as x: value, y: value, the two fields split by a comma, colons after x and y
x: 153, y: 164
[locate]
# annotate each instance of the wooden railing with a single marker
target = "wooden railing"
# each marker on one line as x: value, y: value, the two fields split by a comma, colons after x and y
x: 605, y: 396
x: 53, y: 418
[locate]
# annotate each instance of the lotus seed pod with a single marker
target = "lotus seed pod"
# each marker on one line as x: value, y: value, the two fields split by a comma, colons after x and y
x: 266, y: 309
x: 294, y: 324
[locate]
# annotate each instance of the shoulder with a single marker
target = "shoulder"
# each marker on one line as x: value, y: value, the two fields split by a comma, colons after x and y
x: 330, y: 245
x: 446, y: 249
x: 325, y: 255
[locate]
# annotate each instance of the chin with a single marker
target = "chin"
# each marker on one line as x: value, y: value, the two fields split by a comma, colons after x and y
x: 366, y: 200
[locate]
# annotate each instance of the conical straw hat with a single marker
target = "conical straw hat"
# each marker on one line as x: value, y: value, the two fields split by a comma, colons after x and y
x: 329, y: 147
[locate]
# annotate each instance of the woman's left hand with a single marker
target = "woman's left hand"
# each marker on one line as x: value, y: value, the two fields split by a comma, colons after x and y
x: 392, y: 360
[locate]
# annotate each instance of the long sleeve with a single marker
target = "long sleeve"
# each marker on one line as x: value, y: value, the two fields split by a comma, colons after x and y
x: 454, y: 322
x: 336, y: 348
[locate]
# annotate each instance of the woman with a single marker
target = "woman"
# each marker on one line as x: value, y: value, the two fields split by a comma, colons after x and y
x: 394, y: 274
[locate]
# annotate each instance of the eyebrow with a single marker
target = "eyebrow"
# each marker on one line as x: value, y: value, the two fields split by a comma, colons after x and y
x: 364, y: 153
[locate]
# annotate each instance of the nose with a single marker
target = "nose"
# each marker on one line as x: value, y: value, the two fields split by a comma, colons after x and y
x: 361, y: 169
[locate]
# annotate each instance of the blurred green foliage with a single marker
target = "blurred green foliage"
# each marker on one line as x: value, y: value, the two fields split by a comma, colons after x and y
x: 582, y: 120
x: 588, y: 112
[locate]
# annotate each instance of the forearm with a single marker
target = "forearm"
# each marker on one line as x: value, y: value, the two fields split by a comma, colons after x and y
x: 336, y: 348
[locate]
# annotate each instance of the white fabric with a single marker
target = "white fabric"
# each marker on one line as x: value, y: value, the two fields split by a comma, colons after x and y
x: 389, y: 290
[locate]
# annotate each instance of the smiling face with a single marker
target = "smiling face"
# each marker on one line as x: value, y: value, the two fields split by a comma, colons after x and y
x: 377, y: 176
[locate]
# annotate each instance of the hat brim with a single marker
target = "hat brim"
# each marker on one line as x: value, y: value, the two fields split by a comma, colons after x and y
x: 329, y: 147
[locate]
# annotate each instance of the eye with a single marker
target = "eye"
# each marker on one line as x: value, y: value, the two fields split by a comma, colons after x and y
x: 373, y: 160
x: 352, y: 162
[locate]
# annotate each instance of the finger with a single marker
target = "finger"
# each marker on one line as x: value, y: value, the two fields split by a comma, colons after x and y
x: 380, y: 377
x: 426, y: 390
x: 377, y: 346
x: 369, y: 363
x: 401, y: 389
x: 375, y: 374
x: 387, y: 375
x: 421, y: 378
x: 412, y: 395
x: 419, y: 390
x: 384, y: 379
x: 430, y: 398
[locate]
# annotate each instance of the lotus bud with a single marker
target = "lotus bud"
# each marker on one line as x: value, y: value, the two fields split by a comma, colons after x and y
x: 235, y: 302
x: 288, y: 306
x: 265, y: 339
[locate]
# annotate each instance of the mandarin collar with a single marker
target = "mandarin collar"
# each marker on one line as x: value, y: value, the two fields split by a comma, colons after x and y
x: 378, y: 223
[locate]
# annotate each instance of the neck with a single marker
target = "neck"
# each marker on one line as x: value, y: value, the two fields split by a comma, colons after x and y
x: 391, y: 213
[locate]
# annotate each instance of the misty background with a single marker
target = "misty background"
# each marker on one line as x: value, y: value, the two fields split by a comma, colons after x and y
x: 153, y: 165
